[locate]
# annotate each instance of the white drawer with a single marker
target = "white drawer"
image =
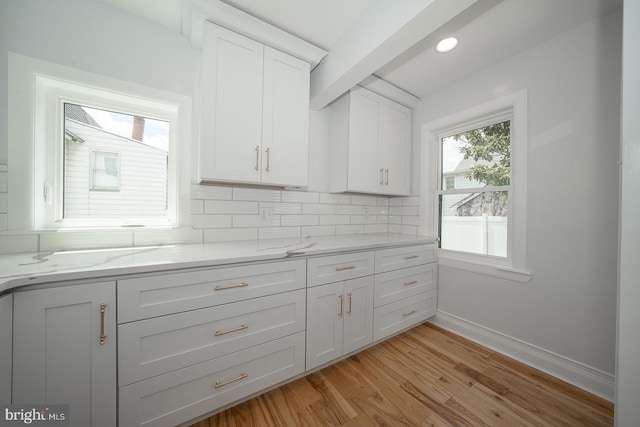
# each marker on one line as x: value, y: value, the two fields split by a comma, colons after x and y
x: 335, y: 268
x: 406, y: 256
x: 155, y: 346
x: 399, y: 315
x: 399, y: 284
x: 179, y: 396
x: 144, y: 297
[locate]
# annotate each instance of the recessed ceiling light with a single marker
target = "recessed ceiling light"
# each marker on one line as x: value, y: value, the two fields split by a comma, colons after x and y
x: 446, y: 45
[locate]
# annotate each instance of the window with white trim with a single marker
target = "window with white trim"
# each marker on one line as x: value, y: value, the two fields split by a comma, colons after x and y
x: 474, y: 187
x: 74, y: 150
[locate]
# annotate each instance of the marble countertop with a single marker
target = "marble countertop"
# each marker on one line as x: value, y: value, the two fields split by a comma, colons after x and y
x: 27, y: 269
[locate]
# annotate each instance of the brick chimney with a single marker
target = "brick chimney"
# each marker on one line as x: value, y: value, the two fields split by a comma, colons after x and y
x: 138, y: 128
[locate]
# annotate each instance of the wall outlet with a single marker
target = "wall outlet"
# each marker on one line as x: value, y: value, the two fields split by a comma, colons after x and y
x: 266, y: 213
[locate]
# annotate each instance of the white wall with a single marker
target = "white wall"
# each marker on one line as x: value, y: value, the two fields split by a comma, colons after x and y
x: 628, y: 367
x: 569, y: 306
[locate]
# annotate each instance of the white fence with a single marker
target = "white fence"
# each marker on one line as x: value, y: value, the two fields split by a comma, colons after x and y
x: 485, y: 234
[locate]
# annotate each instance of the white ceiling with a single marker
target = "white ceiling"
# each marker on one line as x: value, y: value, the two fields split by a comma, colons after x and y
x: 506, y: 28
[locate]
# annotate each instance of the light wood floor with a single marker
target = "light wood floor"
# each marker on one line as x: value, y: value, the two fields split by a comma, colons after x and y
x: 426, y: 376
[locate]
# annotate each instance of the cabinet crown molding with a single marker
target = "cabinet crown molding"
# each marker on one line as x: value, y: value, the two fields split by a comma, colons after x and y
x: 196, y: 12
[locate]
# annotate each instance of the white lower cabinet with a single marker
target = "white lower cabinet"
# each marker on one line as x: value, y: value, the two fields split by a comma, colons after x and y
x: 64, y: 351
x: 179, y: 396
x: 339, y: 319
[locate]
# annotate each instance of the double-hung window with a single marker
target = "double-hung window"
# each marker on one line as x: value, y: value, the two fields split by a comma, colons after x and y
x: 474, y: 187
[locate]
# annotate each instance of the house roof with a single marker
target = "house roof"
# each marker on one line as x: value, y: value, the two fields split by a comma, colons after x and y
x: 77, y: 113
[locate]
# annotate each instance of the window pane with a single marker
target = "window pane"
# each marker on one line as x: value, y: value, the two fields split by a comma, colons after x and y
x: 474, y: 222
x: 115, y: 165
x: 476, y: 158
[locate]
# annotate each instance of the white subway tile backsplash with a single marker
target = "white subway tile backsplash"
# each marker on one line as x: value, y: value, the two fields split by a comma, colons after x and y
x: 208, y: 192
x: 323, y: 209
x: 229, y: 234
x: 375, y: 228
x: 411, y: 220
x: 298, y: 220
x: 376, y: 210
x: 300, y: 197
x: 282, y: 208
x: 334, y: 219
x: 395, y: 201
x: 336, y: 199
x: 197, y: 206
x: 350, y: 229
x: 350, y: 210
x: 255, y: 221
x: 395, y: 219
x: 411, y: 201
x: 318, y: 230
x: 403, y: 210
x: 278, y: 232
x: 230, y: 207
x: 256, y: 194
x: 403, y: 229
x: 364, y: 200
x: 363, y: 219
x: 383, y: 201
x: 210, y: 221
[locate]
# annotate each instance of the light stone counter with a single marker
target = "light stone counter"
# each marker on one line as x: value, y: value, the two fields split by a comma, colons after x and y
x: 28, y: 269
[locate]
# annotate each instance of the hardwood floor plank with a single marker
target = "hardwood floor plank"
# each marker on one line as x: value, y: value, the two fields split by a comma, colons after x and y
x: 426, y: 376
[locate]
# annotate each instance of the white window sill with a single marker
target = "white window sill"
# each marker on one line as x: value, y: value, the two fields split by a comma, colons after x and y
x: 501, y: 272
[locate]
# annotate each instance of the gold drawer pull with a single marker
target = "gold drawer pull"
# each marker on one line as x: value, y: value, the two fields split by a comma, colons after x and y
x: 242, y: 376
x: 348, y: 267
x: 103, y: 336
x: 341, y: 297
x: 239, y: 328
x: 238, y: 285
x: 409, y: 313
x: 257, y: 156
x: 411, y: 257
x: 413, y: 282
x: 349, y: 310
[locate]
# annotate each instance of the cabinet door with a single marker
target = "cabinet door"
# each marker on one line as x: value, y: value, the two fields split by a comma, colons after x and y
x: 231, y: 116
x: 364, y: 173
x: 358, y: 317
x: 58, y: 355
x: 394, y: 147
x: 6, y: 331
x: 285, y: 124
x: 325, y: 311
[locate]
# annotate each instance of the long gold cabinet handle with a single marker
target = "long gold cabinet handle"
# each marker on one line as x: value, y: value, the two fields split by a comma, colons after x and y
x: 242, y: 376
x: 349, y: 309
x: 103, y: 336
x: 386, y: 180
x: 411, y: 257
x: 410, y: 313
x: 381, y: 176
x: 348, y: 267
x: 228, y: 331
x: 341, y: 298
x: 412, y: 282
x: 236, y: 285
x: 268, y: 151
x: 257, y: 156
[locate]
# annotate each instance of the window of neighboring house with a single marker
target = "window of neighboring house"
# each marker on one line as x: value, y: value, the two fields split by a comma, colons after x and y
x: 474, y: 200
x: 105, y: 172
x: 98, y: 152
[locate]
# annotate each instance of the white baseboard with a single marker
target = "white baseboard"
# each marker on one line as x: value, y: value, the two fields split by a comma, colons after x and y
x: 590, y: 379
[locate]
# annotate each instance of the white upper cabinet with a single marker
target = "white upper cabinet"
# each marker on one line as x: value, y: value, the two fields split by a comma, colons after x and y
x: 370, y: 144
x: 255, y: 112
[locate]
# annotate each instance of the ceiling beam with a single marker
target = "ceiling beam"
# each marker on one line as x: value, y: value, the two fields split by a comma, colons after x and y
x: 384, y: 31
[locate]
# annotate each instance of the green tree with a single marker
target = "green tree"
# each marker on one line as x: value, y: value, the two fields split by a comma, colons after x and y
x: 491, y: 144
